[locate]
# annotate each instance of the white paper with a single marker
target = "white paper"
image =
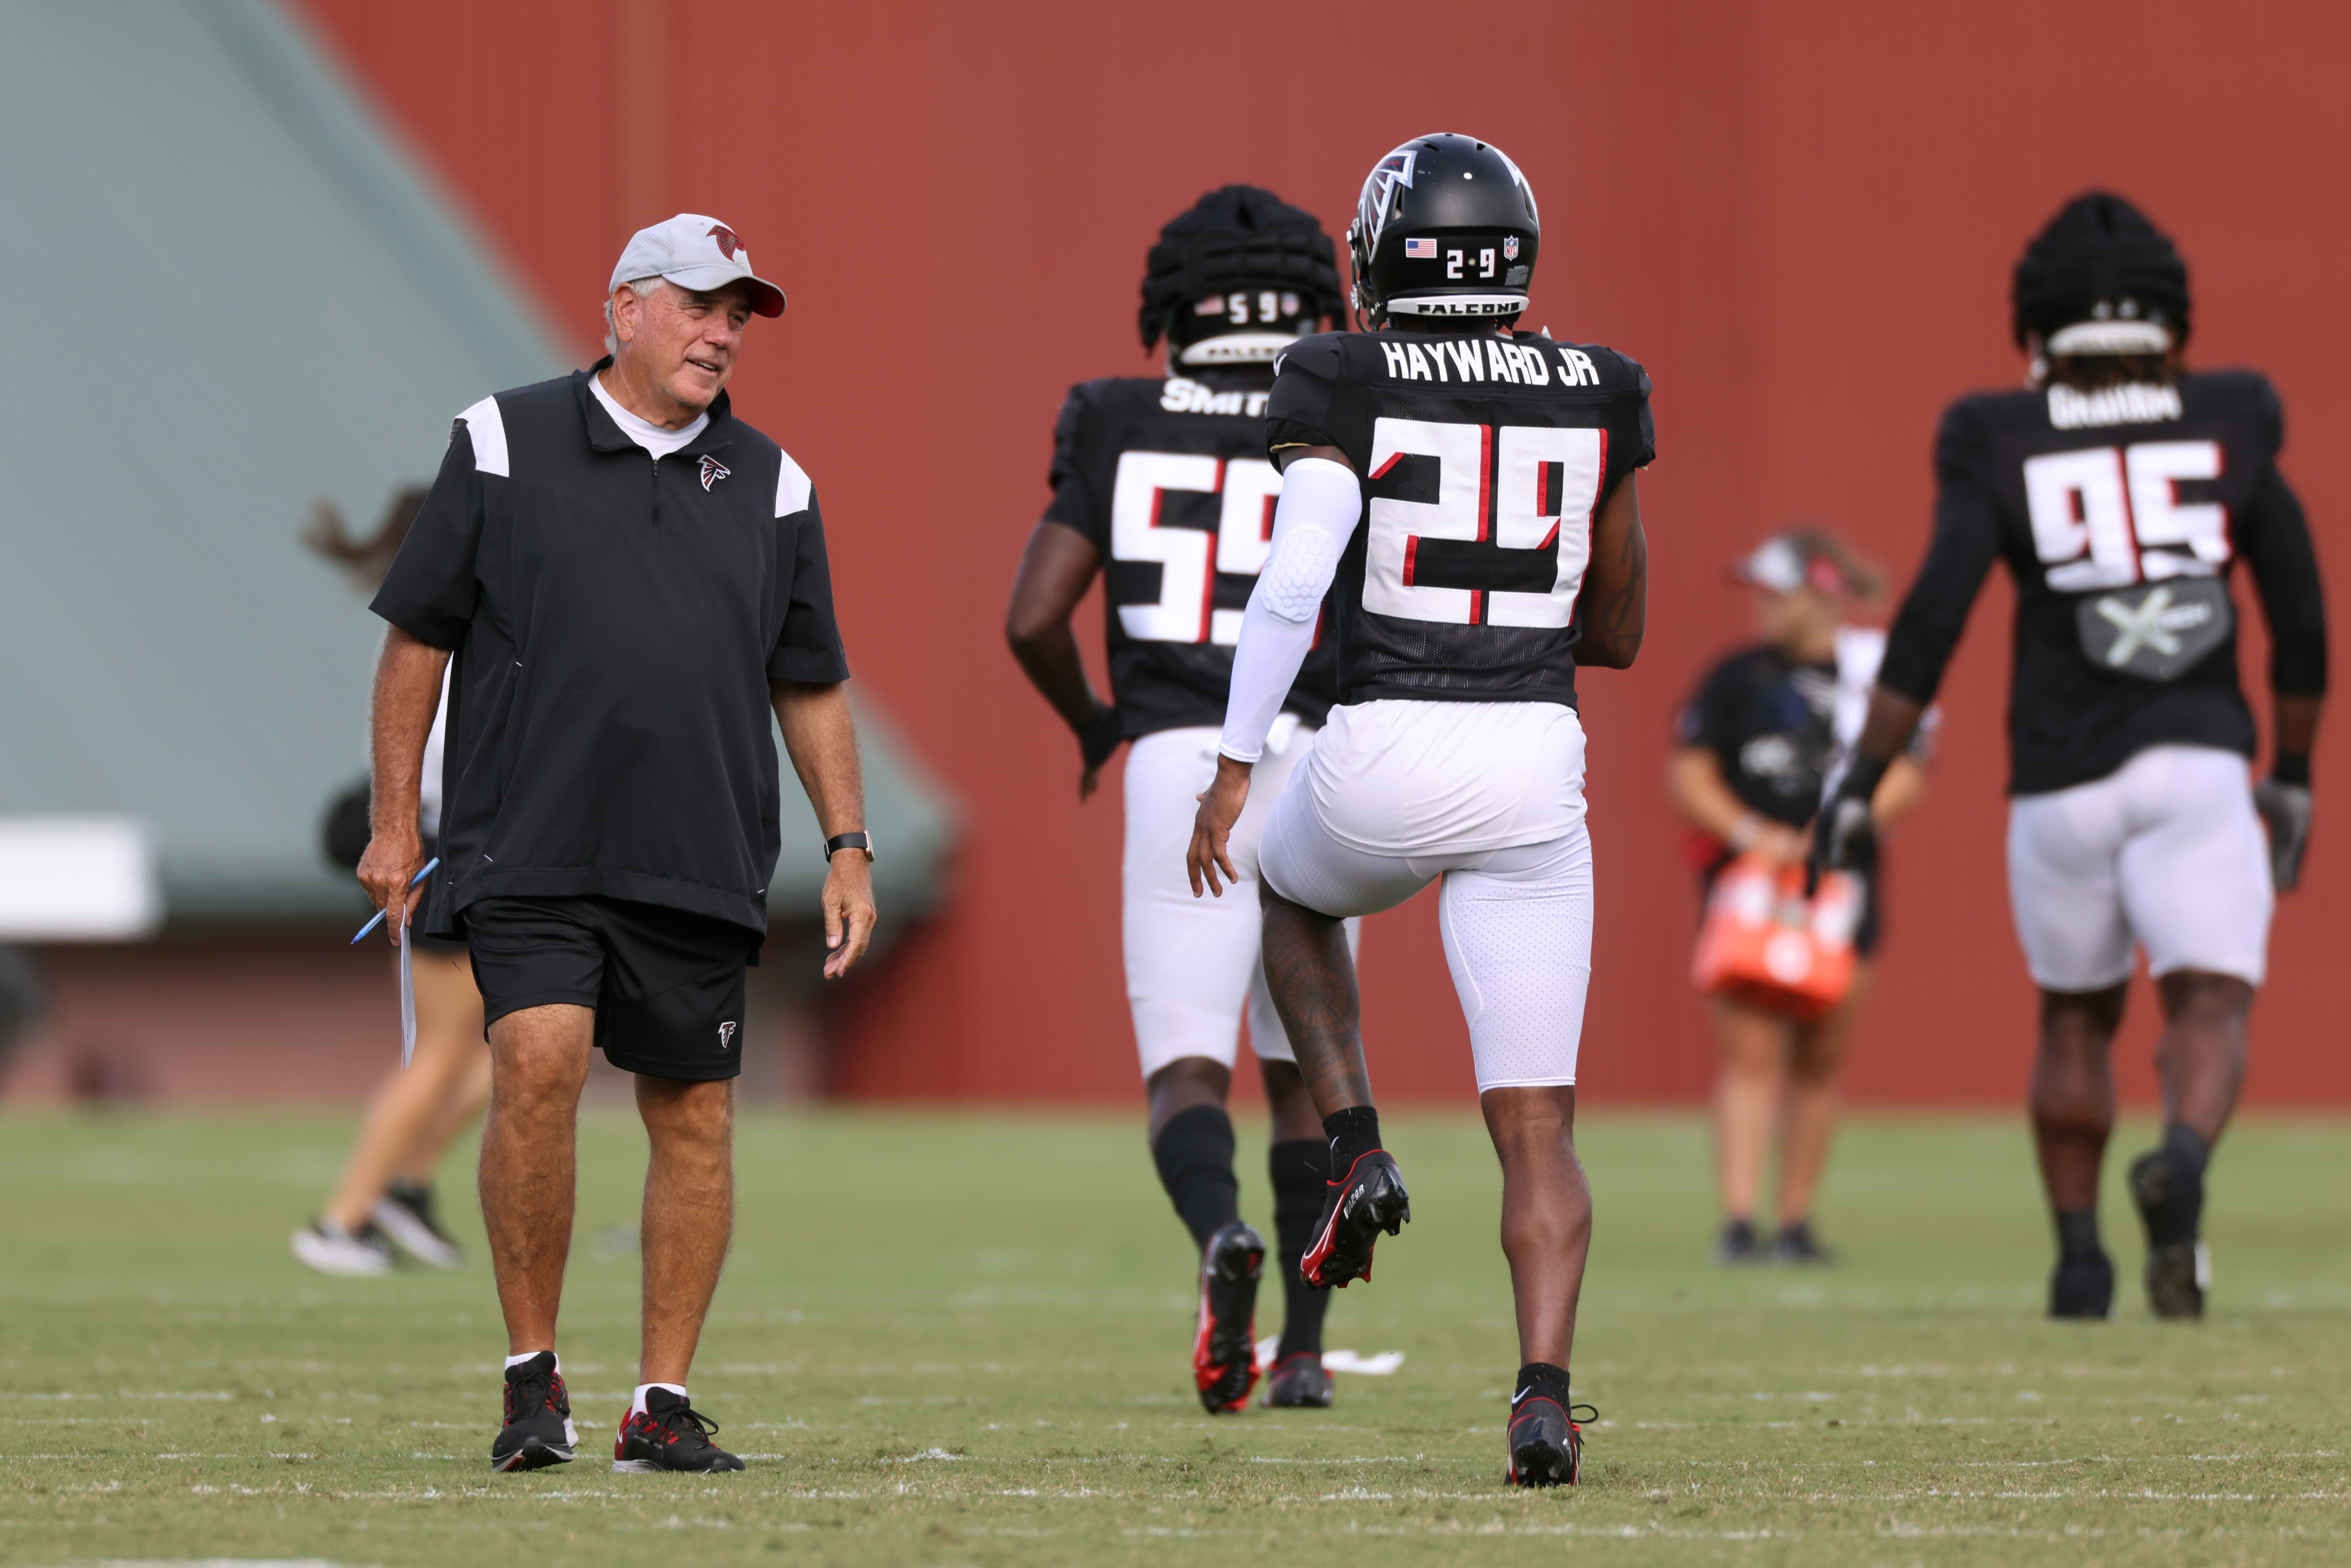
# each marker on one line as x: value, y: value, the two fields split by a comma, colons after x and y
x: 407, y: 997
x: 1381, y: 1365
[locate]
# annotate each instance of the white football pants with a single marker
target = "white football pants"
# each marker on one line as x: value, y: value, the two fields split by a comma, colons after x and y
x: 1192, y: 964
x: 2165, y: 851
x: 1517, y: 925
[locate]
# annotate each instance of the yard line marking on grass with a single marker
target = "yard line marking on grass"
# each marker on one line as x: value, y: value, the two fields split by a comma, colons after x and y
x: 125, y: 1393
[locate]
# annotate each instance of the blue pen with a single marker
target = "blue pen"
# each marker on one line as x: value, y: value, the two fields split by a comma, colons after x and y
x: 380, y: 914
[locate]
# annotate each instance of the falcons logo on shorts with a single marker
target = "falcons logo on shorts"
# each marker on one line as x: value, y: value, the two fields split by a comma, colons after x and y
x: 713, y: 471
x: 726, y: 1035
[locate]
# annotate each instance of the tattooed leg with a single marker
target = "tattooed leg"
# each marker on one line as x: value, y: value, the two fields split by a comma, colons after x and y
x: 1311, y: 977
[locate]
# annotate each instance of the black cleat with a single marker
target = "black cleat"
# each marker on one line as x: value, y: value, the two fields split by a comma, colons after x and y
x: 2170, y: 1200
x: 1737, y: 1244
x: 1369, y: 1200
x: 669, y: 1434
x: 1797, y: 1244
x: 538, y: 1430
x: 1546, y: 1442
x: 1299, y: 1382
x: 1224, y: 1353
x: 2083, y: 1287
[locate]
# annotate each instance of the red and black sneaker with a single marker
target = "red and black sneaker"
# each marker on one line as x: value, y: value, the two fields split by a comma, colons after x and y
x: 1546, y: 1441
x: 1224, y: 1353
x: 669, y: 1434
x: 538, y: 1430
x: 1368, y: 1200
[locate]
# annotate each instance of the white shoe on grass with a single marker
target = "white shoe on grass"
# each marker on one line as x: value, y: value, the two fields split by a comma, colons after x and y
x: 331, y: 1249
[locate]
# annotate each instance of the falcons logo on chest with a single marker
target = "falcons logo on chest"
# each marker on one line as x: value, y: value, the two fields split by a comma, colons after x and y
x: 713, y: 471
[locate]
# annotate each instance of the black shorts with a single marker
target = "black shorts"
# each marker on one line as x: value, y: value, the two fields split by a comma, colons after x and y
x: 666, y: 985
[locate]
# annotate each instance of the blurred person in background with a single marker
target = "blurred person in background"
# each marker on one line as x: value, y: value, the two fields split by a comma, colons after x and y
x: 1161, y: 485
x: 1766, y: 732
x: 634, y: 586
x: 2121, y: 488
x: 385, y: 1197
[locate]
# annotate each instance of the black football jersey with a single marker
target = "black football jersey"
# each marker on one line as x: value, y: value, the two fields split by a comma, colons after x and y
x: 1169, y: 480
x: 2121, y: 514
x: 1485, y: 459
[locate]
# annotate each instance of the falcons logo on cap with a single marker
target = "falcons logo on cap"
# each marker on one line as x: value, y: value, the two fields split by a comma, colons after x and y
x: 713, y: 471
x: 727, y: 242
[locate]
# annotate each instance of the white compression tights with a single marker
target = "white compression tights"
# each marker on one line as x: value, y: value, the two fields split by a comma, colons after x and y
x: 1517, y: 925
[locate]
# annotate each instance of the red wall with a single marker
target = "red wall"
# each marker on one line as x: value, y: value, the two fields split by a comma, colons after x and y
x: 1800, y: 216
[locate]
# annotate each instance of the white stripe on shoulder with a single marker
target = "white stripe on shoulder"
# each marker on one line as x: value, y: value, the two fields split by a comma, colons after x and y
x: 488, y: 428
x: 792, y: 486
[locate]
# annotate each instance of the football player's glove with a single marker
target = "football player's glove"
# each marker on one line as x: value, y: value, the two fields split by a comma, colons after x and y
x: 2285, y: 808
x: 1239, y: 277
x: 1845, y: 836
x: 1446, y: 227
x: 1098, y: 737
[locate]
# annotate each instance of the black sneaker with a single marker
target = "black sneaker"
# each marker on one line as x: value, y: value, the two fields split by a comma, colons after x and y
x: 1369, y: 1200
x: 404, y: 1213
x: 1797, y: 1244
x: 2083, y: 1287
x: 1737, y: 1244
x: 1299, y: 1382
x: 669, y: 1434
x: 1224, y: 1353
x: 2170, y: 1200
x: 538, y: 1430
x: 1546, y: 1442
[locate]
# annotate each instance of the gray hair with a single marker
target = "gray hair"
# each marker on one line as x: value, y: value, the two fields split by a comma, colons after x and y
x: 647, y: 288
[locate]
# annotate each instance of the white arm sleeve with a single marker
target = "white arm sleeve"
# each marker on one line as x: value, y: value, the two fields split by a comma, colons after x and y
x: 1320, y: 504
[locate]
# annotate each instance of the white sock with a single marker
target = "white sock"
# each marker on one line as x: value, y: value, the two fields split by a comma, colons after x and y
x: 644, y: 1388
x: 515, y: 1361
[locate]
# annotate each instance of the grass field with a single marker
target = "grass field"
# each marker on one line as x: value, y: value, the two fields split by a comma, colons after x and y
x: 963, y: 1341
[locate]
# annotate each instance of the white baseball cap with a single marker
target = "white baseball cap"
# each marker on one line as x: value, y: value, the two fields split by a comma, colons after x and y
x: 698, y: 253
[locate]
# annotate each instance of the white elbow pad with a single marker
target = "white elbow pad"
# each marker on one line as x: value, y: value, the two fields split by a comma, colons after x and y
x: 1298, y: 573
x: 1316, y: 516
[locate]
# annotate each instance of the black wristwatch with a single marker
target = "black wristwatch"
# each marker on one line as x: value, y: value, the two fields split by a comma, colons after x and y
x: 850, y: 841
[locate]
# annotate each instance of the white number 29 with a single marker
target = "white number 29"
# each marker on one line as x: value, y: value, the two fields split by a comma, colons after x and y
x: 1526, y: 488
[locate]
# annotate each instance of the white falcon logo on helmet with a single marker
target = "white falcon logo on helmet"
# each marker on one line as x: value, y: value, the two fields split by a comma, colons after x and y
x: 1372, y: 206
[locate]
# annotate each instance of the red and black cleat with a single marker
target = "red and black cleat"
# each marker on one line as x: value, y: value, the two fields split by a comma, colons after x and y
x: 669, y: 1434
x: 1368, y: 1200
x: 1546, y: 1441
x: 1224, y: 1353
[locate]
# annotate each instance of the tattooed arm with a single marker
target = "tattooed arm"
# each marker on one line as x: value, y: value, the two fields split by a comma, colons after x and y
x: 1615, y: 608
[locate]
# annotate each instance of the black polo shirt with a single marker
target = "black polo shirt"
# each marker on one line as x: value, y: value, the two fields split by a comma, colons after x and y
x: 615, y: 620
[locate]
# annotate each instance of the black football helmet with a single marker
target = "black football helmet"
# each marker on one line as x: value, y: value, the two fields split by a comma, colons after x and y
x: 2101, y: 280
x: 1446, y: 227
x: 1237, y: 278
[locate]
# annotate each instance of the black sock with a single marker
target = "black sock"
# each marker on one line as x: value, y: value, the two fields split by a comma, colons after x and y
x: 2077, y: 1235
x: 1195, y: 1154
x: 1354, y: 1133
x: 1301, y: 1171
x: 1542, y: 1380
x: 2175, y: 1221
x: 2187, y: 1148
